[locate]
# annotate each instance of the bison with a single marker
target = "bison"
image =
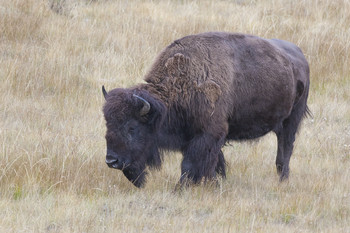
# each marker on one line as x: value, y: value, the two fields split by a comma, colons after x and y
x: 201, y: 92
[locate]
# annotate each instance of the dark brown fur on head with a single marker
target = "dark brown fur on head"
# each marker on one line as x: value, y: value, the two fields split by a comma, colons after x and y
x: 130, y: 136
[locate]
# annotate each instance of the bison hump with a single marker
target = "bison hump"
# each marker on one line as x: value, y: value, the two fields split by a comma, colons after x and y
x: 177, y: 65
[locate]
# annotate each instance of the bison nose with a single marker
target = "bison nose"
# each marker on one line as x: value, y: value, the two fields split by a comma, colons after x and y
x: 114, y: 161
x: 110, y: 159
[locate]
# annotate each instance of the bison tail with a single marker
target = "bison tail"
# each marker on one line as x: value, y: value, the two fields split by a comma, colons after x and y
x: 299, y: 93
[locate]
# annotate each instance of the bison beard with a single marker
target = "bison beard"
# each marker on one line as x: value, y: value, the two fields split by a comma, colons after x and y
x: 135, y: 176
x: 203, y: 91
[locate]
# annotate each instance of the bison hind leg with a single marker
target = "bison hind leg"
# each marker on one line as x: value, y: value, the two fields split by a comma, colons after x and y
x: 285, y: 138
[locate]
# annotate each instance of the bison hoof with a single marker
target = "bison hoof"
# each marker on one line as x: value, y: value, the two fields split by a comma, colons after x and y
x: 282, y: 171
x: 284, y: 175
x: 279, y: 168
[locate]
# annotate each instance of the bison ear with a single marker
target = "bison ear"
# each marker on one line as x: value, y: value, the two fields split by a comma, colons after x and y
x: 104, y: 92
x: 157, y: 114
x: 152, y: 111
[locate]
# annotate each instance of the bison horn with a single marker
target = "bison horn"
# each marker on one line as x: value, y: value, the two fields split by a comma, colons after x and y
x: 104, y: 92
x: 146, y: 106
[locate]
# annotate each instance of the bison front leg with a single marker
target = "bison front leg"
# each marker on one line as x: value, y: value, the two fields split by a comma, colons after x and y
x: 202, y: 159
x: 221, y: 165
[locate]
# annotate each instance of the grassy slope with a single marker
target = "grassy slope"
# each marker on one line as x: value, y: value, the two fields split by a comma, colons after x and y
x: 52, y: 171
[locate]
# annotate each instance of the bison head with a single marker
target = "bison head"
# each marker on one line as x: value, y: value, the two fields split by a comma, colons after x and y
x: 132, y: 119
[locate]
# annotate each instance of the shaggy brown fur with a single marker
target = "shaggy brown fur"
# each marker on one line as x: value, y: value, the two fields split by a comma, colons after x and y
x: 204, y: 90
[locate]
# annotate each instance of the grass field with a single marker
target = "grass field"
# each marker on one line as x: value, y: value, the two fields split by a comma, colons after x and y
x: 55, y: 56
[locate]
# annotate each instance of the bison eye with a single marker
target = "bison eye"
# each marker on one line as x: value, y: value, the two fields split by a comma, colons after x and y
x: 132, y: 130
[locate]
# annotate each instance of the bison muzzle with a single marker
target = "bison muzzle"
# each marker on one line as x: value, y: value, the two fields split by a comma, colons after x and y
x: 201, y: 92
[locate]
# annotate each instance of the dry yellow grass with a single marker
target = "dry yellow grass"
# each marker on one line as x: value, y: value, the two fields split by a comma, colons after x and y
x: 53, y: 61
